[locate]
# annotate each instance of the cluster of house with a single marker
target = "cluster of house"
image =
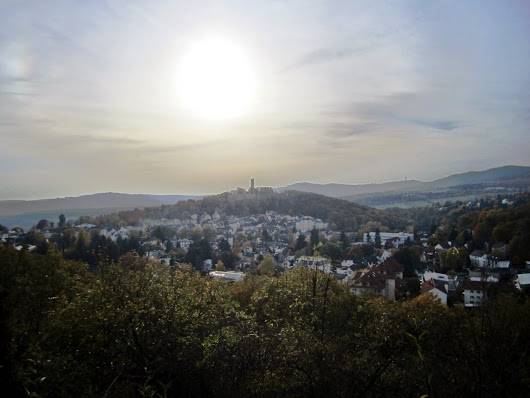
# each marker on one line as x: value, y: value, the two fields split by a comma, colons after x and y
x: 15, y: 237
x: 385, y: 278
x: 279, y: 228
x: 227, y: 226
x: 273, y: 234
x: 12, y: 236
x: 389, y: 239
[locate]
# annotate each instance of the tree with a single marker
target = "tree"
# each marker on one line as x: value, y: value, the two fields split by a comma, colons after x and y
x: 224, y: 245
x: 520, y: 249
x: 301, y: 242
x: 481, y: 234
x: 148, y: 325
x: 314, y: 239
x: 62, y: 221
x: 267, y: 266
x: 42, y: 224
x: 454, y: 259
x: 162, y: 233
x: 377, y: 238
x: 265, y: 236
x: 198, y: 252
x: 409, y: 257
x: 504, y: 232
x: 225, y: 253
x: 344, y: 241
x: 332, y: 250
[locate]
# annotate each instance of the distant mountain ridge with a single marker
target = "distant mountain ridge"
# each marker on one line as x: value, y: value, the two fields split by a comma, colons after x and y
x: 407, y: 193
x: 27, y: 212
x: 341, y: 190
x: 494, y: 175
x: 93, y: 201
x: 473, y: 183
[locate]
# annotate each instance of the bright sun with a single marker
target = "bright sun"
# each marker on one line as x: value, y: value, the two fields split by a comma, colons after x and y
x: 216, y: 80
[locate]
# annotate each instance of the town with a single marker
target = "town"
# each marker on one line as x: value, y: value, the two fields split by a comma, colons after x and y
x: 395, y: 265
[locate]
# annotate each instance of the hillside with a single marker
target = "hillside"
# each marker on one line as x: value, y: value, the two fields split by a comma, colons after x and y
x: 341, y: 213
x: 463, y: 186
x: 343, y: 190
x: 490, y: 176
x: 27, y: 212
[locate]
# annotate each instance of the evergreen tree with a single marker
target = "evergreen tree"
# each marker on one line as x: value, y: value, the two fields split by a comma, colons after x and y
x: 265, y: 236
x: 314, y: 239
x: 377, y: 238
x: 42, y: 224
x: 301, y: 242
x: 345, y: 244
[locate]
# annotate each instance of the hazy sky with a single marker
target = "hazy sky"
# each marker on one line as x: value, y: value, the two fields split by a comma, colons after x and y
x: 347, y: 91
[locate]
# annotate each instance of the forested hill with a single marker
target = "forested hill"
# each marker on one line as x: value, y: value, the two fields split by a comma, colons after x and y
x: 496, y: 176
x: 343, y: 214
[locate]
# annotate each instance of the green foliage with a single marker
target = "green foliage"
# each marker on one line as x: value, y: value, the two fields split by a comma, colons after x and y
x: 268, y: 266
x: 409, y: 257
x: 42, y: 224
x: 198, y: 252
x: 479, y: 228
x: 225, y: 254
x: 454, y: 259
x: 135, y: 329
x: 162, y: 233
x: 301, y: 242
x: 342, y: 214
x: 332, y: 250
x: 377, y: 239
x: 314, y: 239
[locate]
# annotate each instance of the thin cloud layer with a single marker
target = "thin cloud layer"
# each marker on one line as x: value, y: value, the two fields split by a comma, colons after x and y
x: 348, y: 91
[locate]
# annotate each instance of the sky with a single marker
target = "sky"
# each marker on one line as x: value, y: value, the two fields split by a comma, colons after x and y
x: 346, y: 91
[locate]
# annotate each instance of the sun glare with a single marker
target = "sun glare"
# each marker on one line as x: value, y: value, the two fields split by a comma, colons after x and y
x: 216, y: 80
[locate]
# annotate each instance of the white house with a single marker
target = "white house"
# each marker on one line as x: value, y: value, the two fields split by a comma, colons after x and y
x: 505, y: 264
x: 435, y: 288
x: 29, y: 248
x: 428, y: 275
x: 399, y: 237
x: 522, y: 281
x: 481, y: 260
x: 306, y: 224
x: 229, y: 276
x: 475, y: 293
x: 114, y: 234
x: 313, y: 262
x: 478, y: 259
x: 384, y: 256
x: 184, y: 243
x: 344, y: 271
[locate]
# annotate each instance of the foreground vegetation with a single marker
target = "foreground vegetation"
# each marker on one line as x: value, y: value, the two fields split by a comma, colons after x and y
x: 136, y: 329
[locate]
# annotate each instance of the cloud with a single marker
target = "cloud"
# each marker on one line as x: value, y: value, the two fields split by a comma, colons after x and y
x: 446, y: 125
x: 88, y: 91
x: 419, y: 109
x: 350, y: 129
x: 323, y: 55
